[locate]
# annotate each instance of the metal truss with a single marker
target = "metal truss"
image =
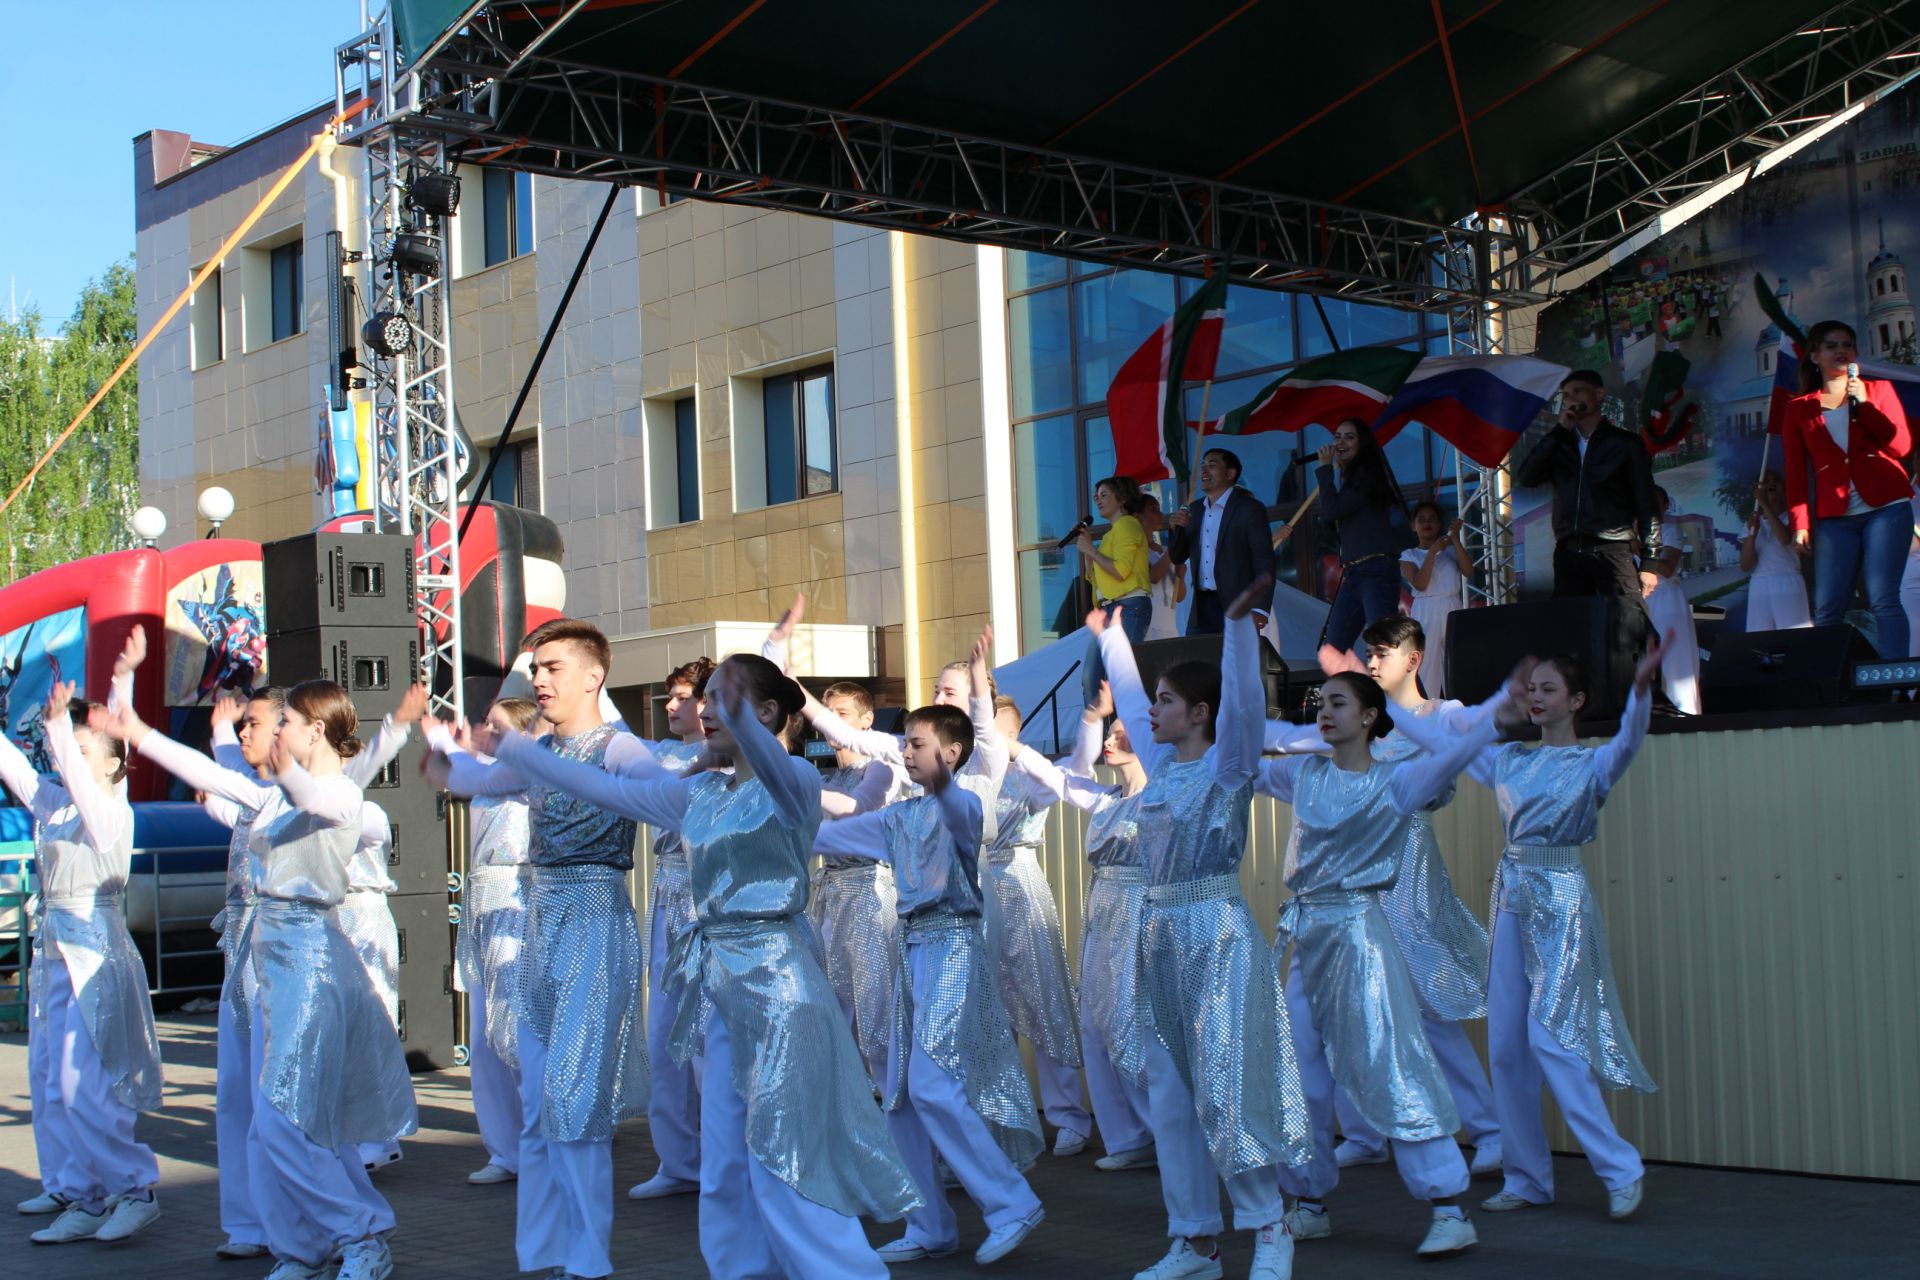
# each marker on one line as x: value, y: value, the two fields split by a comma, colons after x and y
x: 1720, y: 131
x: 1483, y: 494
x: 416, y: 448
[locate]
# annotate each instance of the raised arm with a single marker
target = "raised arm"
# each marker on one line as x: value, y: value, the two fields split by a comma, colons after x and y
x: 1050, y: 784
x: 17, y: 772
x: 863, y: 835
x: 1448, y: 745
x: 1088, y: 742
x: 1283, y: 737
x: 465, y: 774
x: 794, y: 784
x: 1610, y: 760
x: 226, y: 748
x: 338, y: 806
x: 660, y: 802
x: 1277, y: 776
x: 842, y: 736
x: 386, y: 744
x: 1129, y: 696
x: 878, y: 782
x: 1241, y: 721
x: 201, y: 773
x: 104, y: 818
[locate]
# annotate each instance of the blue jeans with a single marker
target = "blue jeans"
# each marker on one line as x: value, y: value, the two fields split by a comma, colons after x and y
x: 1872, y: 545
x: 1369, y: 591
x: 1135, y: 615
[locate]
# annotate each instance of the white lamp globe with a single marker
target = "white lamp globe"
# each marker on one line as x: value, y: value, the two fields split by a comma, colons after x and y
x: 149, y: 523
x: 216, y: 505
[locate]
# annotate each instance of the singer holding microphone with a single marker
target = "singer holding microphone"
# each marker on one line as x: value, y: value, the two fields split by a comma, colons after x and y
x: 1120, y: 568
x: 1854, y: 433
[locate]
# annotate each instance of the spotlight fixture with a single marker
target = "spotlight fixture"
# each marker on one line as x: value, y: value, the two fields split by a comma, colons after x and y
x: 415, y: 254
x: 435, y: 193
x: 387, y: 332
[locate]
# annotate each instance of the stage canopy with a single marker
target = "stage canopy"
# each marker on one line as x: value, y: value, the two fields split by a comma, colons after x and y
x: 1422, y: 153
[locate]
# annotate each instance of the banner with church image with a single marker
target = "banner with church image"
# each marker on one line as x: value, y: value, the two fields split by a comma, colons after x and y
x: 1833, y: 232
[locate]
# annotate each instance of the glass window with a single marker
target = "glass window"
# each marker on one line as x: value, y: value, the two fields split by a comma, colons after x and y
x: 1098, y: 431
x: 816, y: 407
x: 1259, y: 328
x: 1040, y: 365
x: 1407, y: 455
x: 1113, y: 314
x: 507, y: 214
x: 800, y: 452
x: 286, y: 264
x: 1031, y: 270
x: 522, y: 213
x: 686, y: 458
x: 1265, y: 455
x: 1047, y: 495
x: 783, y: 449
x: 1052, y: 604
x: 1354, y: 324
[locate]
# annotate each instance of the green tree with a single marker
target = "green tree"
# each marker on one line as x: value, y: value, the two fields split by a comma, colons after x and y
x: 82, y: 502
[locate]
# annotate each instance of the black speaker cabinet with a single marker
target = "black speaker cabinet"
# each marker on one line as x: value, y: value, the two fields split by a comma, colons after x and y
x: 416, y: 816
x: 1484, y: 644
x: 1784, y: 670
x: 1155, y: 656
x: 338, y: 579
x: 426, y: 978
x: 373, y: 664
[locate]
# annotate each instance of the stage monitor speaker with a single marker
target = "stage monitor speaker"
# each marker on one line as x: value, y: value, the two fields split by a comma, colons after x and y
x: 1784, y: 670
x: 1484, y: 644
x: 426, y: 978
x: 416, y: 816
x: 338, y: 579
x: 1155, y: 656
x: 373, y: 664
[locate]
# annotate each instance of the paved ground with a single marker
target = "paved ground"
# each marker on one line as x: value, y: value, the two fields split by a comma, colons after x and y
x: 1696, y: 1223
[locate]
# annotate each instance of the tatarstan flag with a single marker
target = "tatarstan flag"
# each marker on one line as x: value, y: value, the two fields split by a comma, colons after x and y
x: 1328, y: 390
x: 1786, y: 361
x: 1144, y: 403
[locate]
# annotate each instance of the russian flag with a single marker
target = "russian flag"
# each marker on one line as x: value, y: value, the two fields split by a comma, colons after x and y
x: 1479, y: 404
x: 1786, y: 381
x: 1906, y: 383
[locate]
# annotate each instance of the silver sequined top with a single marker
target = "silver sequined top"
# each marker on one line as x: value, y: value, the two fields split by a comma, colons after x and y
x: 567, y: 831
x: 501, y: 831
x: 1552, y: 795
x: 1020, y: 814
x: 1113, y: 831
x: 83, y: 837
x: 932, y: 842
x: 747, y: 861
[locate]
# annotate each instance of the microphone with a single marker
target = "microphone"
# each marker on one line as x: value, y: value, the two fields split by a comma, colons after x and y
x: 1853, y: 371
x: 1086, y: 522
x: 1304, y: 460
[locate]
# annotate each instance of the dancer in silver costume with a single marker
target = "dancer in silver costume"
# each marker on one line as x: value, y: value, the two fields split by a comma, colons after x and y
x: 793, y: 1150
x: 1351, y: 1001
x: 954, y: 1083
x: 93, y: 1058
x: 486, y: 949
x: 1023, y: 929
x: 583, y: 1060
x: 1443, y: 943
x: 328, y: 1071
x: 1223, y: 1090
x: 1553, y: 1007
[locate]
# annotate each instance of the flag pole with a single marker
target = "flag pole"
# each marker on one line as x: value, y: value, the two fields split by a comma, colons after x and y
x: 1199, y: 441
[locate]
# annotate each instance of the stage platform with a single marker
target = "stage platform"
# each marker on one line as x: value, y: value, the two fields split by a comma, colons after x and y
x: 1696, y: 1222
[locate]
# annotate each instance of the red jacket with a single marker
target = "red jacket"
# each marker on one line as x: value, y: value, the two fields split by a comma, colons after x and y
x: 1877, y: 439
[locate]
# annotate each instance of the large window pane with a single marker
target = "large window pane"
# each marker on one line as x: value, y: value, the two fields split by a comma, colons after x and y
x: 496, y: 215
x: 816, y: 395
x: 1407, y: 455
x: 1041, y: 360
x: 686, y: 458
x: 1101, y: 464
x: 1113, y: 315
x: 1045, y: 482
x: 522, y: 213
x: 1265, y: 455
x: 1031, y: 270
x: 783, y: 444
x: 1050, y: 603
x: 1354, y: 324
x: 285, y: 268
x: 1259, y: 328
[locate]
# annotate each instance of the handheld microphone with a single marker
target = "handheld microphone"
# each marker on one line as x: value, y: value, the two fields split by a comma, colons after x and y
x: 1086, y: 522
x: 1304, y: 460
x: 1853, y: 370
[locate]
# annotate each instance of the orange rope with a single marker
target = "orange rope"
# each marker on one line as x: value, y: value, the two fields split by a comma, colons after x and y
x: 246, y: 224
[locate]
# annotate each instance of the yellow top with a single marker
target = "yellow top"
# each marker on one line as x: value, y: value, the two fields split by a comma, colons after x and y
x: 1125, y: 545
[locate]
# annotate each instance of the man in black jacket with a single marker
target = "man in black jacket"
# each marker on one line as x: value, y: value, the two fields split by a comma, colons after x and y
x: 1604, y: 510
x: 1224, y: 534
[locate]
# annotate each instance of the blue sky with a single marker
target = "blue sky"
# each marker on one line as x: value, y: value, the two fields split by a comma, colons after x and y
x: 81, y: 78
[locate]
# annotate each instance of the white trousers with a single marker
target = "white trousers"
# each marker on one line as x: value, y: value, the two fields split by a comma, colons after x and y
x: 232, y: 1119
x: 1432, y: 1169
x: 564, y: 1198
x: 1119, y: 1105
x: 496, y: 1093
x: 83, y: 1134
x: 1524, y: 1056
x: 1466, y: 1079
x: 1670, y: 610
x: 673, y: 1105
x: 1060, y: 1094
x: 312, y: 1199
x: 1189, y: 1181
x: 753, y: 1226
x: 1778, y: 602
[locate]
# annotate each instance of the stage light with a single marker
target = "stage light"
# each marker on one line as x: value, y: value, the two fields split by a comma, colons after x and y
x: 149, y: 523
x: 387, y: 332
x: 415, y: 254
x: 216, y: 507
x: 435, y: 193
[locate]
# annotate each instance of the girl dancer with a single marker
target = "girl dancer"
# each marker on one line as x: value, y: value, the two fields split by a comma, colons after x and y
x: 93, y: 1060
x: 1223, y: 1090
x: 1351, y: 1000
x: 793, y: 1150
x: 1777, y: 591
x: 328, y: 1071
x: 1433, y: 571
x: 1553, y: 1007
x: 487, y: 947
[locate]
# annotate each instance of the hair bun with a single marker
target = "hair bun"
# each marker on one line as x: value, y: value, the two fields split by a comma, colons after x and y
x: 348, y: 747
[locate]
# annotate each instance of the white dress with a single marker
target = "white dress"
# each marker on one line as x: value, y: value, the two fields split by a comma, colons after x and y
x: 1777, y: 593
x: 1670, y: 610
x: 1430, y: 609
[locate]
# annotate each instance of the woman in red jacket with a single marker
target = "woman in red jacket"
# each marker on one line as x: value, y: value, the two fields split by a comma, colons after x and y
x: 1853, y: 433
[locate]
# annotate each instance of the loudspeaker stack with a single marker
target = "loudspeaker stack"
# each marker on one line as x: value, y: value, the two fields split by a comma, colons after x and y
x: 340, y: 607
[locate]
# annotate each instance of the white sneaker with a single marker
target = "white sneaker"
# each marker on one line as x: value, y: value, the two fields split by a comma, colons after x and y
x: 1069, y: 1142
x: 1350, y: 1153
x: 127, y: 1216
x: 906, y: 1249
x: 492, y: 1173
x: 1002, y: 1241
x: 1622, y: 1203
x: 239, y: 1251
x: 1308, y: 1224
x: 1182, y: 1263
x: 1488, y: 1160
x: 1507, y: 1202
x: 291, y: 1270
x: 659, y: 1186
x: 1272, y: 1253
x: 383, y: 1159
x: 1139, y: 1158
x: 368, y: 1259
x: 74, y: 1223
x: 1448, y: 1234
x: 42, y: 1204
